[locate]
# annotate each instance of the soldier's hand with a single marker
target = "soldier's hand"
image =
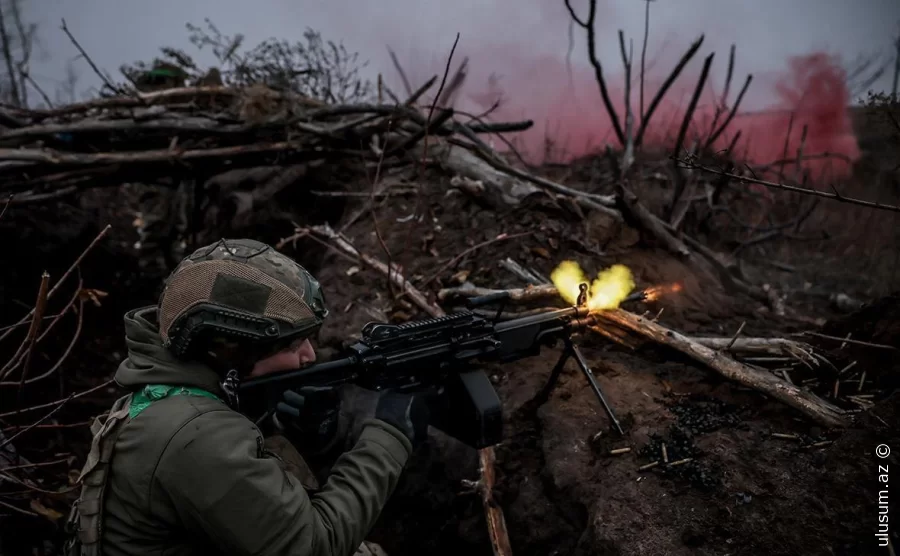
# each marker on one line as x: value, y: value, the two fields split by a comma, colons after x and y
x: 310, y: 414
x: 406, y: 412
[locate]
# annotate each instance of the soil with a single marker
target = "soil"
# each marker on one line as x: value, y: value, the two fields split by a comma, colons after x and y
x: 741, y: 490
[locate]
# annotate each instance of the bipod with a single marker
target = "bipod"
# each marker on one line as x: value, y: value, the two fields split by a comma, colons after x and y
x: 571, y: 350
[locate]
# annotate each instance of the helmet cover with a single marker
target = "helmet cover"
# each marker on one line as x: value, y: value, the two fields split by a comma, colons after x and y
x: 241, y: 290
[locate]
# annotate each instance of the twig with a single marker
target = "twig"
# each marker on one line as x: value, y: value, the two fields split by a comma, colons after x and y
x: 375, y: 181
x: 519, y: 294
x: 6, y: 43
x: 65, y: 275
x: 38, y: 422
x: 434, y: 103
x: 75, y: 336
x: 644, y: 53
x: 17, y: 509
x: 342, y: 243
x: 36, y: 87
x: 90, y: 61
x: 6, y: 205
x: 735, y: 337
x: 628, y: 155
x: 39, y: 307
x: 654, y: 104
x: 731, y: 115
x: 33, y: 465
x: 680, y: 182
x: 526, y: 275
x: 400, y: 71
x: 848, y: 341
x: 834, y: 196
x: 588, y: 26
x: 496, y: 522
x: 724, y: 101
x: 58, y: 402
x: 459, y: 77
x: 847, y: 368
x: 17, y: 359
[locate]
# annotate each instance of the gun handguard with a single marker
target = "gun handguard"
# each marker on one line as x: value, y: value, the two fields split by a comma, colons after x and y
x: 438, y: 355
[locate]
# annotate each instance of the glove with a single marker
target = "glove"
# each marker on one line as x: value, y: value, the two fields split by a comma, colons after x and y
x: 406, y: 412
x: 309, y: 416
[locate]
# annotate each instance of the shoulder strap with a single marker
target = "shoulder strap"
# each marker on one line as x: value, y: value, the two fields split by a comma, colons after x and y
x: 84, y: 524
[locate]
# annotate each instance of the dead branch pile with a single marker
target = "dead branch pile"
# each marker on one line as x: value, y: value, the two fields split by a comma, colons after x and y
x: 24, y: 485
x: 204, y: 132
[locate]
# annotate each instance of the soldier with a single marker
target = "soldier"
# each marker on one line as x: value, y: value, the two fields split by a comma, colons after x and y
x: 176, y: 469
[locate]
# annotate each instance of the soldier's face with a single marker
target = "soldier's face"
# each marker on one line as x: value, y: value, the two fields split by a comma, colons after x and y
x: 297, y: 355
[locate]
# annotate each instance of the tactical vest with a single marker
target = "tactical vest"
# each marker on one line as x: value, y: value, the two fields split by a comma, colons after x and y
x: 84, y: 526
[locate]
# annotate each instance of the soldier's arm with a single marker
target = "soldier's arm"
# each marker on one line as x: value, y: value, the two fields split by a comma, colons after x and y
x: 218, y: 479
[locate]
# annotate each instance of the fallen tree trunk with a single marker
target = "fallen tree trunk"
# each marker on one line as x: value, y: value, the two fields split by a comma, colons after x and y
x: 807, y: 403
x: 505, y: 186
x: 755, y: 346
x: 500, y: 189
x: 520, y: 295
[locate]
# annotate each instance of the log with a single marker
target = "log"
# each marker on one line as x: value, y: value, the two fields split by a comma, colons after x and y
x: 647, y: 221
x: 500, y: 190
x: 341, y: 242
x: 502, y: 185
x: 521, y: 295
x: 807, y: 403
x: 756, y: 346
x: 495, y: 520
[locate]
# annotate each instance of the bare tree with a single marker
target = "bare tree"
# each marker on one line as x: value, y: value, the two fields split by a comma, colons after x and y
x: 896, y: 65
x: 863, y: 71
x: 17, y: 40
x: 66, y: 93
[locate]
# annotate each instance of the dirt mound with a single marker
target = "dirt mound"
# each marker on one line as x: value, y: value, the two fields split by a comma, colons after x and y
x: 737, y: 489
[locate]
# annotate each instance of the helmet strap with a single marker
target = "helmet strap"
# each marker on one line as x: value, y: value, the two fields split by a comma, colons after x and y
x: 230, y: 386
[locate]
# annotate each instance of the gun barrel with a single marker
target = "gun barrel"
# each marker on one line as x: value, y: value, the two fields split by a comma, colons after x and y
x: 538, y: 318
x: 636, y: 296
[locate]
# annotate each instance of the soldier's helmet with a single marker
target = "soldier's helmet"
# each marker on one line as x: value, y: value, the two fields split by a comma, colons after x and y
x: 239, y: 290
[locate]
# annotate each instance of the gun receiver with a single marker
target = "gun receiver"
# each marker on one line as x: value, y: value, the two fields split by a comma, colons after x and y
x: 441, y: 356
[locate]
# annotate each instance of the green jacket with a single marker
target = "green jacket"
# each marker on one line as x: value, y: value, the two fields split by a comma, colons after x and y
x: 190, y: 476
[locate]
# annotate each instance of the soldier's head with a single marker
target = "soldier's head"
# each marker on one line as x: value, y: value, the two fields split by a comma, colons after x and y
x: 239, y: 303
x: 160, y: 77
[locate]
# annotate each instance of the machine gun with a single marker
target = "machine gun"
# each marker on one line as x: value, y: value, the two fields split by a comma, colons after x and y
x: 440, y: 356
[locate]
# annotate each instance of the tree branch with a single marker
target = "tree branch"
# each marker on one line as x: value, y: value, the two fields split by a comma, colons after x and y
x: 588, y: 25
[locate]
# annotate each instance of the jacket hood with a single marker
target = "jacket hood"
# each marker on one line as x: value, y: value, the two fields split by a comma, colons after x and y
x: 149, y: 362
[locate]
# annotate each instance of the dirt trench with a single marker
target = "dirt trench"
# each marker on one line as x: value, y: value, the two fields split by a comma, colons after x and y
x: 742, y: 491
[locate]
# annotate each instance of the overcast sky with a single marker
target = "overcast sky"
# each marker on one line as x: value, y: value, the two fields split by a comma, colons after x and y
x: 767, y: 32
